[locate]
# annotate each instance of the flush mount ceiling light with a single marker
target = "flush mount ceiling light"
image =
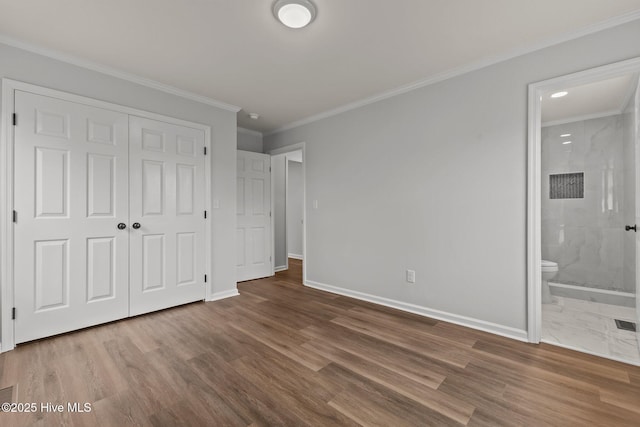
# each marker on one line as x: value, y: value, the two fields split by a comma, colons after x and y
x: 559, y: 94
x: 254, y: 116
x: 564, y: 135
x: 566, y: 142
x: 294, y: 13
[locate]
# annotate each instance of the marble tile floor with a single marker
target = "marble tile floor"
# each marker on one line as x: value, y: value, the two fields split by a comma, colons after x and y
x: 589, y: 326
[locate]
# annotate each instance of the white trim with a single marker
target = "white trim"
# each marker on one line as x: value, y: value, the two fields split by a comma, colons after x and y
x: 534, y: 251
x: 280, y: 268
x: 469, y: 322
x: 582, y: 118
x: 273, y: 222
x: 593, y: 353
x: 288, y: 149
x: 249, y: 132
x: 9, y: 87
x: 7, y: 338
x: 593, y: 290
x: 208, y: 223
x: 94, y: 66
x: 631, y: 90
x: 296, y: 256
x: 286, y: 210
x: 216, y: 296
x: 534, y: 176
x: 594, y: 28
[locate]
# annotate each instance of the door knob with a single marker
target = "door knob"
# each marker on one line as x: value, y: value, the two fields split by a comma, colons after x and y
x: 628, y: 227
x: 136, y: 225
x: 122, y: 226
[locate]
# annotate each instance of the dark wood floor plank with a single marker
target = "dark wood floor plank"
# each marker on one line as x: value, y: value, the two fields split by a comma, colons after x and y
x: 435, y: 348
x: 242, y: 396
x: 413, y: 365
x: 284, y: 354
x: 288, y: 344
x: 306, y: 401
x: 428, y: 396
x: 533, y: 356
x: 369, y: 403
x: 413, y: 328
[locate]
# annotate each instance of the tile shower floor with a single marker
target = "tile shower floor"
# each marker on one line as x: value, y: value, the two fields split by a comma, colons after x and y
x: 590, y: 326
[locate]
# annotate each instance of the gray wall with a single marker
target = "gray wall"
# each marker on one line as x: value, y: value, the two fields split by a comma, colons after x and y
x: 435, y: 180
x: 586, y: 236
x: 28, y: 67
x: 278, y: 175
x: 294, y: 208
x: 249, y: 141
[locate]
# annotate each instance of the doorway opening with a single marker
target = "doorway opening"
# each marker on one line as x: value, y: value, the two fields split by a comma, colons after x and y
x: 289, y: 213
x: 584, y: 180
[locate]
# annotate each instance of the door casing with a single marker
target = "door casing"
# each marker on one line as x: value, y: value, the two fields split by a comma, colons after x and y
x: 9, y: 86
x: 534, y: 176
x: 301, y: 146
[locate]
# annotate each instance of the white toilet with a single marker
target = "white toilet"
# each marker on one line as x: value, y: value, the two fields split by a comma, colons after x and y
x: 549, y: 271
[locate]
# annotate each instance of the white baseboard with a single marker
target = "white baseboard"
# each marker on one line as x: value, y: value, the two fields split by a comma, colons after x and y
x: 493, y: 328
x: 280, y: 268
x: 296, y: 256
x: 224, y: 294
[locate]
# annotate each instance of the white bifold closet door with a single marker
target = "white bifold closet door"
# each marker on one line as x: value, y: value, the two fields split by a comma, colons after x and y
x: 167, y: 201
x: 84, y: 176
x: 71, y: 191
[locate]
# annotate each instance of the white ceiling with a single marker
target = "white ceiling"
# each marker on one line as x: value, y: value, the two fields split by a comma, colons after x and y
x: 604, y: 97
x: 236, y: 52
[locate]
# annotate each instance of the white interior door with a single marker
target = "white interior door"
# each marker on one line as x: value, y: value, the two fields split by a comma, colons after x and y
x: 253, y: 241
x: 167, y: 187
x: 70, y: 194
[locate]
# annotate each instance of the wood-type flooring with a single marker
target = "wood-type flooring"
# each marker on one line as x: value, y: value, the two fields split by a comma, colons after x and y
x: 284, y: 354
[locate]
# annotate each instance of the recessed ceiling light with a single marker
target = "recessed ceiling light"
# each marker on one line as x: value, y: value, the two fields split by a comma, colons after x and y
x: 566, y: 142
x: 294, y: 13
x: 564, y: 135
x: 559, y: 94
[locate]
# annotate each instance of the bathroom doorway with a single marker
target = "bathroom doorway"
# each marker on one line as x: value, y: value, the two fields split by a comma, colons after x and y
x: 583, y: 210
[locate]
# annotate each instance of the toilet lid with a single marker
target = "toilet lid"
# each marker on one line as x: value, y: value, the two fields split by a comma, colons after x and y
x: 546, y: 263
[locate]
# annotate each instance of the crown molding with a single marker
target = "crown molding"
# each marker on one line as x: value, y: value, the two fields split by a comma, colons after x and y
x: 581, y: 118
x: 93, y: 66
x: 249, y: 132
x: 594, y: 28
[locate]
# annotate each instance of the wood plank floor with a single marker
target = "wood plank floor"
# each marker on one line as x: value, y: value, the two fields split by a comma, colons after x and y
x: 284, y: 354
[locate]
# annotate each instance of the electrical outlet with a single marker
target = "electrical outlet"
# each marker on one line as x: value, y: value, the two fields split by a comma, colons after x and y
x: 411, y: 276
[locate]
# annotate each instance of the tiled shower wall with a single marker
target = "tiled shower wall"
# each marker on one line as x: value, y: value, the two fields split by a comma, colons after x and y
x: 586, y: 236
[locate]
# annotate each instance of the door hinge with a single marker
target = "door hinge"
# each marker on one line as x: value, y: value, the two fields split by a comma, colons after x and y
x: 269, y: 168
x: 15, y: 216
x: 205, y: 151
x: 269, y: 213
x: 13, y: 313
x: 15, y: 119
x: 205, y: 214
x: 205, y: 278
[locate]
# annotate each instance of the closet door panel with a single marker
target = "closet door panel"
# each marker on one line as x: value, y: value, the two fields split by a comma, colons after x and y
x: 71, y: 191
x: 168, y: 201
